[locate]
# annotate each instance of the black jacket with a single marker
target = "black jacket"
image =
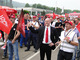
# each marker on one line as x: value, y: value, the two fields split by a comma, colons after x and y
x: 54, y: 37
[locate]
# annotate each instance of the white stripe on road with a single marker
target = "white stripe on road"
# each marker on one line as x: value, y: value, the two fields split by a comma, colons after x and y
x: 33, y: 55
x: 39, y: 52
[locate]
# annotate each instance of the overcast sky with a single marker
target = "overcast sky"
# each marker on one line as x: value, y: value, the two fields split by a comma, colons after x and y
x: 67, y: 4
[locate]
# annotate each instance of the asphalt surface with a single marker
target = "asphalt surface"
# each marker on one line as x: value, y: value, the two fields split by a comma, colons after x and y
x: 29, y: 55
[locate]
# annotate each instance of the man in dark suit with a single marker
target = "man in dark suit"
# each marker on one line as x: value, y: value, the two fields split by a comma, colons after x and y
x: 47, y: 38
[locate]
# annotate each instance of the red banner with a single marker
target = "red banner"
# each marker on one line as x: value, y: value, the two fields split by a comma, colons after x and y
x: 21, y: 24
x: 54, y: 16
x: 66, y: 15
x: 5, y: 23
x: 78, y: 27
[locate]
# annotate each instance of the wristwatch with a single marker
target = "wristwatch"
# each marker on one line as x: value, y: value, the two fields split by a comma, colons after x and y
x: 69, y: 42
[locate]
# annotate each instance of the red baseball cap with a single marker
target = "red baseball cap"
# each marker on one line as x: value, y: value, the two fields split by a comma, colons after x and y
x: 12, y: 16
x: 69, y: 22
x: 41, y: 16
x: 34, y: 16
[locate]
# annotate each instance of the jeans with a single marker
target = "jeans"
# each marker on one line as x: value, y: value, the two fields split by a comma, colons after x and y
x: 78, y: 54
x: 13, y: 48
x: 5, y: 52
x: 22, y: 39
x: 74, y: 53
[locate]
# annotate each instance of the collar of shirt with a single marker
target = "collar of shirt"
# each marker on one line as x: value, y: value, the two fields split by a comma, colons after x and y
x: 49, y: 33
x: 47, y: 27
x: 67, y: 32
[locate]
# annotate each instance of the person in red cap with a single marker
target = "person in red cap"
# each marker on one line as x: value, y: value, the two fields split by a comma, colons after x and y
x: 12, y: 40
x: 41, y: 21
x: 34, y: 17
x: 68, y: 42
x: 69, y: 22
x: 35, y: 24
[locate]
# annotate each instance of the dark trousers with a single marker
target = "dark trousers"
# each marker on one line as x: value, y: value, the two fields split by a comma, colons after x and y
x: 45, y: 49
x: 34, y: 40
x: 29, y: 39
x: 64, y: 55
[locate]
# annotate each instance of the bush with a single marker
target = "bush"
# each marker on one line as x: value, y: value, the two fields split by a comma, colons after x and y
x: 26, y: 12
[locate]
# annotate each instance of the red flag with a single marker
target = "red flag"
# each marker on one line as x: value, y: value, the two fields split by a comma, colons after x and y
x: 5, y: 23
x: 66, y: 15
x: 54, y: 16
x: 78, y: 27
x: 21, y: 24
x: 79, y: 16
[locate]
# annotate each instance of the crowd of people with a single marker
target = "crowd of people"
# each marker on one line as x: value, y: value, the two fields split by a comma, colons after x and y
x: 45, y: 33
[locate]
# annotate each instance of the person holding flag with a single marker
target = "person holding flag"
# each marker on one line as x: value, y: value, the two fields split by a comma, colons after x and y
x: 77, y: 23
x: 12, y: 40
x: 78, y: 37
x: 24, y: 39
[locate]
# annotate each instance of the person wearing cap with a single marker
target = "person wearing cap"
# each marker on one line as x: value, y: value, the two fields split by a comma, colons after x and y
x: 68, y: 42
x: 5, y: 50
x: 12, y: 40
x: 35, y: 24
x: 78, y: 37
x: 41, y: 21
x: 77, y: 21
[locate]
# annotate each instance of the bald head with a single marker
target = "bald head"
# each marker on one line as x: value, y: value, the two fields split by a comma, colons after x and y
x: 47, y: 22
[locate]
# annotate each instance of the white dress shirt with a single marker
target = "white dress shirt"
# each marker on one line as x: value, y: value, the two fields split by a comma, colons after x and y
x: 49, y: 33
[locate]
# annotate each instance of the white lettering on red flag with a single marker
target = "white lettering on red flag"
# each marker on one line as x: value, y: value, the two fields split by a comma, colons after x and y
x: 2, y: 20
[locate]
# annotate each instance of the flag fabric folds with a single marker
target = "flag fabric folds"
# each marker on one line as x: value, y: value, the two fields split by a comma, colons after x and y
x: 78, y: 27
x: 5, y: 23
x: 66, y: 15
x: 21, y: 24
x: 54, y: 16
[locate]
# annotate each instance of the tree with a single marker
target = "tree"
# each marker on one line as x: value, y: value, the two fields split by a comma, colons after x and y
x: 67, y: 11
x: 27, y: 5
x: 25, y: 12
x: 43, y: 13
x: 34, y: 5
x: 58, y: 10
x: 78, y: 11
x: 39, y: 6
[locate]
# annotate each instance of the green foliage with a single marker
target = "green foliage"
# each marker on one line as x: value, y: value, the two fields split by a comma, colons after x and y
x: 78, y: 11
x: 43, y: 7
x: 33, y: 13
x: 25, y: 12
x: 27, y: 5
x: 58, y: 10
x: 34, y: 5
x: 67, y: 11
x: 43, y: 13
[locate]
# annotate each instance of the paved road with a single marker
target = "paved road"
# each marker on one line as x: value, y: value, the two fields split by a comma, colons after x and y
x: 36, y: 56
x: 22, y: 54
x: 29, y: 55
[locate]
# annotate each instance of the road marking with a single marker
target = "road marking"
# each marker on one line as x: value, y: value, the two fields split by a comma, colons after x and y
x: 33, y: 55
x: 39, y: 52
